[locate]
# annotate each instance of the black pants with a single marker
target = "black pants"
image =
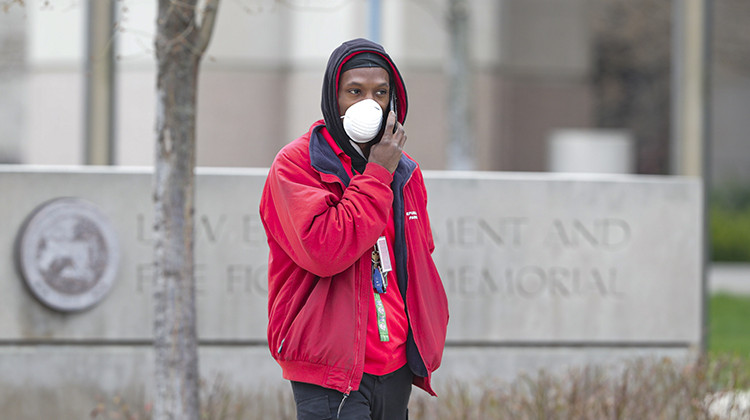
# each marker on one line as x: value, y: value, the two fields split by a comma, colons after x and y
x: 378, y: 398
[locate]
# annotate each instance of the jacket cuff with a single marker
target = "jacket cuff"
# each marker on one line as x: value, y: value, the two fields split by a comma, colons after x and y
x: 379, y: 172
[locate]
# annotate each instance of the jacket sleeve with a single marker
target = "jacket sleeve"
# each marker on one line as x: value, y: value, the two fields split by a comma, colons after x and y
x: 320, y: 230
x: 424, y: 216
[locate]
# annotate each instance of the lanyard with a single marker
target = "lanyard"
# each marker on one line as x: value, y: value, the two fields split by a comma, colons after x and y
x: 382, y: 325
x: 381, y: 265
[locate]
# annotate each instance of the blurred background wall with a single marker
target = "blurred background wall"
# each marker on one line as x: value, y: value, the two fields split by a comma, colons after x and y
x: 536, y: 66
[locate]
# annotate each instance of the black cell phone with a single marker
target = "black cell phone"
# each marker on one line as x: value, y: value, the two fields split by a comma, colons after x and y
x: 393, y: 104
x: 393, y: 108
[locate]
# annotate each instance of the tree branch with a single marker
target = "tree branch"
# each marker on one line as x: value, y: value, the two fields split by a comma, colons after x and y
x: 7, y: 4
x: 207, y: 25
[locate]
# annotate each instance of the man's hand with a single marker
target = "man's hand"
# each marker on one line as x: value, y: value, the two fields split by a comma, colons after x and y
x: 387, y: 152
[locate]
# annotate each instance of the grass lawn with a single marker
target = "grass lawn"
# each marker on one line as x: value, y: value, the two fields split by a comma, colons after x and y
x: 729, y: 325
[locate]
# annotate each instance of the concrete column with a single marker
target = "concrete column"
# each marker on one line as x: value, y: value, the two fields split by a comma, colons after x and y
x: 12, y: 83
x: 690, y: 80
x: 100, y: 86
x: 461, y: 146
x: 690, y: 107
x: 374, y: 20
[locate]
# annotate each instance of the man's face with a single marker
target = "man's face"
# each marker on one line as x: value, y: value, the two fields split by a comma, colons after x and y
x: 363, y: 83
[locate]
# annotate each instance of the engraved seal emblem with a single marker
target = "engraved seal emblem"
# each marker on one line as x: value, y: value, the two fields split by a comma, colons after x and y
x: 67, y: 252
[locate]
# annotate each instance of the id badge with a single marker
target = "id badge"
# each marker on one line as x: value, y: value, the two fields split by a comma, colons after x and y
x: 381, y: 266
x: 385, y: 257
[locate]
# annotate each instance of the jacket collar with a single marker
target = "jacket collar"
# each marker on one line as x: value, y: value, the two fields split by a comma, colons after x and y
x: 325, y: 160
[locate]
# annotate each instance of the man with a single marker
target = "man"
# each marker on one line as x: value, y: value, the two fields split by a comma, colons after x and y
x: 357, y: 312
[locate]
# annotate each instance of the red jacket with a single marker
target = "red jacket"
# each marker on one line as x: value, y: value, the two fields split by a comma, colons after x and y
x: 321, y: 226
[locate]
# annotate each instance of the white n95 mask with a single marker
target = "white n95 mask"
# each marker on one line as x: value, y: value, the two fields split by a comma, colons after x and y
x: 362, y: 120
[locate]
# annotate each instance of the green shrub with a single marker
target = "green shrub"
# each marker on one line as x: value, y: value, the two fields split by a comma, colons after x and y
x: 730, y: 224
x: 732, y: 196
x: 730, y: 235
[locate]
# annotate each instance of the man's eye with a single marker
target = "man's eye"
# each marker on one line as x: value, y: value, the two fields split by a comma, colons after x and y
x: 354, y: 91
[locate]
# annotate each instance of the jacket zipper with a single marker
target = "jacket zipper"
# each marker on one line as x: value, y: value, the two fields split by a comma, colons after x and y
x: 357, y: 341
x: 343, y: 400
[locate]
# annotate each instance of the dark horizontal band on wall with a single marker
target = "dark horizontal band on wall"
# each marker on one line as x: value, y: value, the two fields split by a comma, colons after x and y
x: 123, y: 342
x: 450, y: 343
x: 573, y: 344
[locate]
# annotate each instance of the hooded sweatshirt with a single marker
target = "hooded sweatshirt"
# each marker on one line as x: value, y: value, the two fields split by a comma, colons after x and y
x: 322, y: 220
x: 329, y: 98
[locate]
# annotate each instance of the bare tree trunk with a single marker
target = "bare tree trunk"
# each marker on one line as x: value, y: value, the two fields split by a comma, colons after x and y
x: 180, y: 43
x: 461, y: 143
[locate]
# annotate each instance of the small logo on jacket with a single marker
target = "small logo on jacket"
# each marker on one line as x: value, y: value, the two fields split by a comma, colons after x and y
x: 412, y: 215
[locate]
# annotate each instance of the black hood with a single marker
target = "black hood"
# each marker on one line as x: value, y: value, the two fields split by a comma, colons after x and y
x: 329, y: 99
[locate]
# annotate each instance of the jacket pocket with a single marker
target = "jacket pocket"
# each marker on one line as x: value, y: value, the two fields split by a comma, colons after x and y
x: 314, y: 408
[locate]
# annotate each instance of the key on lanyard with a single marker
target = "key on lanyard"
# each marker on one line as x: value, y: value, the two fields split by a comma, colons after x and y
x: 379, y: 279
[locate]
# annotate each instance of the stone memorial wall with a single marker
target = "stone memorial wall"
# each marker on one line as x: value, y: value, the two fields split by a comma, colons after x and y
x: 541, y: 270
